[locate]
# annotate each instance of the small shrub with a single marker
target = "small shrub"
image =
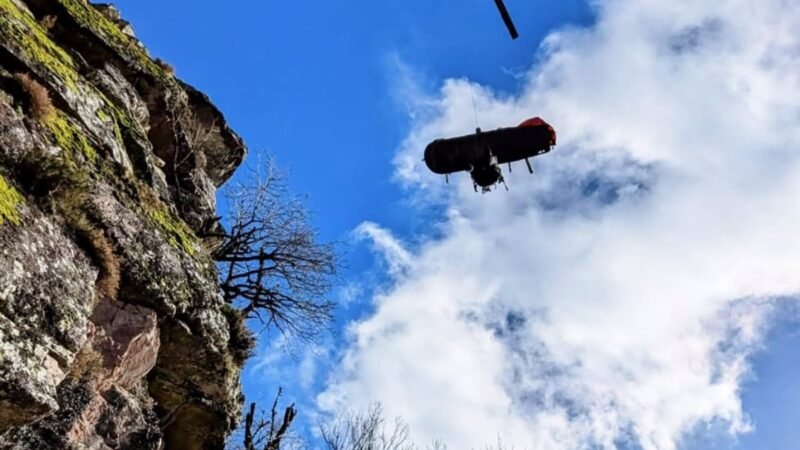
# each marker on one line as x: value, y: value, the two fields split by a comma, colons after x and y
x: 41, y: 107
x: 107, y: 285
x: 165, y: 66
x: 242, y: 342
x: 68, y: 198
x: 97, y: 245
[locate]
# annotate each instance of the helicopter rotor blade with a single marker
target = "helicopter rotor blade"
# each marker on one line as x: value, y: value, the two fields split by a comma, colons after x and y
x: 506, y: 18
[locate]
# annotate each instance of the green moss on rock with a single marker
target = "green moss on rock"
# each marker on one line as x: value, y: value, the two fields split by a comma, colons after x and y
x: 89, y: 18
x: 144, y: 200
x: 20, y: 31
x: 10, y: 199
x: 70, y: 138
x: 178, y: 233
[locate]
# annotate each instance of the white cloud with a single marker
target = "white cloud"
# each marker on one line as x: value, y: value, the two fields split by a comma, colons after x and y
x: 616, y: 295
x: 349, y: 293
x: 396, y: 256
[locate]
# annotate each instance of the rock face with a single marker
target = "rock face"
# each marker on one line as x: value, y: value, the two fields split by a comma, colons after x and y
x: 113, y: 333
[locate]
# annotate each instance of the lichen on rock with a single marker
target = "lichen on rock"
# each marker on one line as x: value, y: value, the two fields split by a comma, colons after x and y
x: 113, y: 332
x: 46, y: 297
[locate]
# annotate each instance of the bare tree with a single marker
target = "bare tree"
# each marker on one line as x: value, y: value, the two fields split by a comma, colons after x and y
x: 267, y: 431
x: 267, y: 434
x: 365, y: 431
x: 271, y: 263
x: 369, y: 431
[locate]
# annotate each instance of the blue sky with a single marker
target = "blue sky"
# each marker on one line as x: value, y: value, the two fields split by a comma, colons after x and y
x: 328, y: 88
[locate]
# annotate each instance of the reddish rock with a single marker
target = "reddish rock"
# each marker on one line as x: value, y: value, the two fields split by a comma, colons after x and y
x: 127, y: 339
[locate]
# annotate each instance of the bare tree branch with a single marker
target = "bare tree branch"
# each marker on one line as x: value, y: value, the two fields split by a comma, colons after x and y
x: 271, y: 262
x: 261, y: 434
x: 365, y: 431
x: 248, y: 427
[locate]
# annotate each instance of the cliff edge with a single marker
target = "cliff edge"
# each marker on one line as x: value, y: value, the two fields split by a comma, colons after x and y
x: 113, y: 333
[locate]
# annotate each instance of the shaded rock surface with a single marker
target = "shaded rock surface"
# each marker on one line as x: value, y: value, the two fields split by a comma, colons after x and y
x: 113, y: 333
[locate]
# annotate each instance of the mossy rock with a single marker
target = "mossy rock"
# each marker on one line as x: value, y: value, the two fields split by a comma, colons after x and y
x: 10, y: 200
x: 21, y: 32
x: 89, y: 18
x: 70, y: 138
x: 177, y: 232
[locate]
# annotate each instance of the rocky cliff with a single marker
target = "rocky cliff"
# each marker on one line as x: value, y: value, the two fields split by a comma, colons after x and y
x: 113, y: 334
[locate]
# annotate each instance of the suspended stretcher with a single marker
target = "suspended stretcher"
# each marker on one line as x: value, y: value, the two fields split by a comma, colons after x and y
x: 482, y: 153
